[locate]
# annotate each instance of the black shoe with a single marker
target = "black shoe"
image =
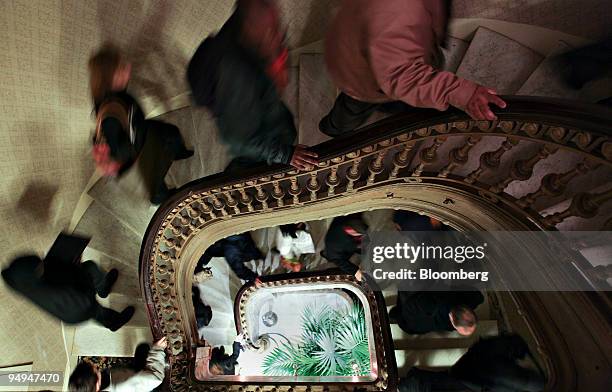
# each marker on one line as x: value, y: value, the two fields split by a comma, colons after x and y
x: 123, y: 318
x: 183, y: 155
x: 327, y: 128
x: 109, y: 281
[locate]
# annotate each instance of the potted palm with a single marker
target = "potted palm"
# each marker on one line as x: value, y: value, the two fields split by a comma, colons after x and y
x: 332, y: 343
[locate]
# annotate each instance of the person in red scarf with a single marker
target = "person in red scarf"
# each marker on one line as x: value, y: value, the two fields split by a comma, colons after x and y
x: 239, y: 74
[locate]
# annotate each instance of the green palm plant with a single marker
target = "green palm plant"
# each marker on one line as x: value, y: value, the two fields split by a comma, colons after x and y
x: 332, y: 343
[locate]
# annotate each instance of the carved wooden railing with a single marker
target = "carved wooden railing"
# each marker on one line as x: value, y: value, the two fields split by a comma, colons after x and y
x: 474, y: 164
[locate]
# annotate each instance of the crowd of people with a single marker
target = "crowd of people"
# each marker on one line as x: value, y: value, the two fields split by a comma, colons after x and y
x: 382, y: 55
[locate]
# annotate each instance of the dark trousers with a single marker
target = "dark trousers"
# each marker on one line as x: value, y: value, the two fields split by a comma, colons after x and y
x: 97, y: 276
x: 237, y: 250
x: 109, y: 318
x: 349, y: 114
x: 504, y: 375
x: 163, y: 144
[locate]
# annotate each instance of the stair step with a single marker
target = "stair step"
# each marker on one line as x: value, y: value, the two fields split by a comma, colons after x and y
x: 95, y: 340
x: 441, y: 340
x: 432, y: 358
x: 126, y: 200
x: 545, y: 81
x: 316, y: 98
x: 453, y: 53
x: 108, y: 234
x: 496, y: 61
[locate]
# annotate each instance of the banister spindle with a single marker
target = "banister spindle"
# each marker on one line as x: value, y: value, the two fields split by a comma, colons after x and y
x: 231, y: 202
x: 522, y: 169
x: 428, y: 155
x: 376, y: 166
x: 490, y: 160
x: 261, y: 196
x: 353, y: 174
x: 459, y: 156
x: 554, y: 184
x: 218, y: 204
x: 278, y: 193
x: 246, y: 199
x: 313, y: 186
x: 295, y: 190
x: 332, y: 180
x: 584, y: 205
x: 400, y: 160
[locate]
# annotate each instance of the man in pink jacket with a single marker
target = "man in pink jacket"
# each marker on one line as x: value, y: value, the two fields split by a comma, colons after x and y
x: 386, y: 51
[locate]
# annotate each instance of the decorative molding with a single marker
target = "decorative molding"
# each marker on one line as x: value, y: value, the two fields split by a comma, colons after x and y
x: 369, y: 169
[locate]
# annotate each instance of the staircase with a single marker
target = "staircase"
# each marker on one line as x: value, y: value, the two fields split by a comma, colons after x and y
x: 119, y: 214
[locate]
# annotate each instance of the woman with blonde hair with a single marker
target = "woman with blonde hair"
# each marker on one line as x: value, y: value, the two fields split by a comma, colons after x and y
x: 123, y: 135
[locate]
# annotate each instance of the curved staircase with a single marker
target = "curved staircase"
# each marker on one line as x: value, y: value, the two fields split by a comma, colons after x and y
x: 119, y: 214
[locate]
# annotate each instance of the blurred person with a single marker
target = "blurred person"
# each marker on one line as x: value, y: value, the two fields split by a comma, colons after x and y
x: 427, y: 311
x: 64, y: 287
x: 239, y: 74
x: 144, y: 376
x: 378, y: 52
x: 491, y: 364
x: 223, y: 364
x: 583, y: 65
x: 203, y: 312
x: 291, y: 242
x: 412, y: 221
x: 123, y: 136
x: 343, y: 240
x: 420, y: 380
x: 237, y: 250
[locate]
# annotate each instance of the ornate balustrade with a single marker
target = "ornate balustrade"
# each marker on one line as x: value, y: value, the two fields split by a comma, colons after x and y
x: 427, y: 152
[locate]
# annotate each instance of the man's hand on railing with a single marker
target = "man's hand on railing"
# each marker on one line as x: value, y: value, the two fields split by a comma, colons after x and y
x: 303, y: 159
x: 478, y: 106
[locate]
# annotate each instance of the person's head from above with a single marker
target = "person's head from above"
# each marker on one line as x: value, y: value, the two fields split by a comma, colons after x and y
x: 85, y: 377
x: 109, y: 72
x: 412, y: 221
x: 291, y: 229
x: 260, y: 26
x: 463, y: 319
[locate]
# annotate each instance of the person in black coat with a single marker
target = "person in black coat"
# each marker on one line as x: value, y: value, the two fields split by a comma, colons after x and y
x: 412, y: 221
x: 239, y: 74
x: 222, y: 363
x: 123, y: 135
x: 491, y: 365
x: 343, y: 240
x: 203, y: 312
x: 426, y: 311
x: 420, y: 380
x: 237, y: 250
x: 66, y: 288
